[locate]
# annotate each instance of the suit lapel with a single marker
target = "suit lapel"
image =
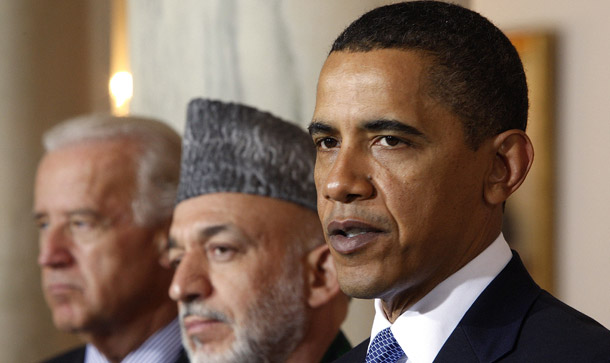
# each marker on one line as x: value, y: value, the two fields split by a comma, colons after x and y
x: 490, y: 328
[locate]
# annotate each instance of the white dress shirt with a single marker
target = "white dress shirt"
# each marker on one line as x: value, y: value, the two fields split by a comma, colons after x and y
x: 162, y: 347
x: 422, y: 330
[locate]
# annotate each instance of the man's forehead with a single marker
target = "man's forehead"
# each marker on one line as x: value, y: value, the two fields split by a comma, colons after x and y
x: 202, y: 231
x: 255, y: 216
x: 96, y: 156
x: 364, y: 90
x: 340, y: 65
x: 218, y: 212
x: 80, y: 177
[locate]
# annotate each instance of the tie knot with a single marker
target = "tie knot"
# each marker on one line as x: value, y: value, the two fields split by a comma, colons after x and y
x: 384, y: 348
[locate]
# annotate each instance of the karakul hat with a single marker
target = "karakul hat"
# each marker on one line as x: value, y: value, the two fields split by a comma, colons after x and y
x: 228, y: 147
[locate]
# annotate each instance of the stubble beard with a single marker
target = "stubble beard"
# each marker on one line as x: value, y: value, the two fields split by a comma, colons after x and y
x: 273, y: 326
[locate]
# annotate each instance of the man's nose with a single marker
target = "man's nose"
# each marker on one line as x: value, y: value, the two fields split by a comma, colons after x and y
x: 191, y: 279
x: 55, y: 248
x: 347, y: 178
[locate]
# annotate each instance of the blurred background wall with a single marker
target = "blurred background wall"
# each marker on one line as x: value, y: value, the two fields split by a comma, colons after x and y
x: 57, y: 58
x: 53, y: 65
x: 582, y: 133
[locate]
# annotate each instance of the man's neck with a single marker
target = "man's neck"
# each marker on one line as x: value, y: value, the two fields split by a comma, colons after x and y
x: 396, y: 303
x: 117, y: 342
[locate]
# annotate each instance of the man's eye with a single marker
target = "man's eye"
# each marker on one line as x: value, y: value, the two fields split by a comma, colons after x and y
x: 175, y: 262
x: 390, y: 141
x: 84, y: 229
x: 327, y: 143
x: 221, y: 253
x: 42, y: 225
x: 80, y: 224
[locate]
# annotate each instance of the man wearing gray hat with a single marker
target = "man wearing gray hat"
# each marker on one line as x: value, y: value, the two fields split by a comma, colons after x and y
x: 254, y: 279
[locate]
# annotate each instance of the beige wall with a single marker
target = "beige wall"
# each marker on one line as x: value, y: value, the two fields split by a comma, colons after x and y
x: 582, y: 135
x: 53, y: 53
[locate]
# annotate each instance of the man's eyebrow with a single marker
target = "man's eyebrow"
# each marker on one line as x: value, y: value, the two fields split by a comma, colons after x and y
x: 83, y: 212
x: 76, y: 212
x: 319, y: 127
x: 322, y: 127
x: 391, y: 125
x: 236, y: 233
x: 211, y: 231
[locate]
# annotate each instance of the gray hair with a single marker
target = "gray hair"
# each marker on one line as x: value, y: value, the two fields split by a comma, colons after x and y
x: 157, y: 158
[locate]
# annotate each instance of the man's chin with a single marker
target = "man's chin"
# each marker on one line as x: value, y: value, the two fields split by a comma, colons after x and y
x: 356, y: 285
x: 211, y: 353
x: 208, y: 347
x: 68, y: 325
x: 68, y: 318
x: 211, y: 349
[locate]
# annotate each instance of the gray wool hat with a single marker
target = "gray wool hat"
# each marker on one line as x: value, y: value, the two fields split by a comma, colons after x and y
x: 229, y: 147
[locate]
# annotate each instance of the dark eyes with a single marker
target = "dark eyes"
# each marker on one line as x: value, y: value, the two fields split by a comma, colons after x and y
x: 174, y: 262
x: 327, y: 143
x: 389, y: 141
x: 213, y: 252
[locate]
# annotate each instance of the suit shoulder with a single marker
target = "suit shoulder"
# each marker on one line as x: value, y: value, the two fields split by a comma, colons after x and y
x: 552, y: 313
x: 357, y: 354
x: 554, y: 327
x: 76, y: 355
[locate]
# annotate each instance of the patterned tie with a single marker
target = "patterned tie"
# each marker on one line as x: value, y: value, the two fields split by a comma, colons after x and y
x: 384, y: 348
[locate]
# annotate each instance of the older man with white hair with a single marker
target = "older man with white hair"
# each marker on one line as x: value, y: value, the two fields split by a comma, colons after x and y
x: 103, y: 202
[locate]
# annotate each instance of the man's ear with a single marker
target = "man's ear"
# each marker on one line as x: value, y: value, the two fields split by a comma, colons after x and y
x: 321, y: 277
x: 514, y: 155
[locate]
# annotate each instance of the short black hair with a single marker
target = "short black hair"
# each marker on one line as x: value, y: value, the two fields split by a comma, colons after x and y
x: 474, y: 69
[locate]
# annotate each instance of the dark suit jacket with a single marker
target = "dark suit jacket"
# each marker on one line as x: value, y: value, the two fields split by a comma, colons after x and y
x: 514, y: 320
x: 77, y: 355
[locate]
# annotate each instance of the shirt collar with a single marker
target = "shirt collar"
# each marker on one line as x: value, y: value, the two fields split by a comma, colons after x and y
x: 422, y: 330
x: 162, y: 347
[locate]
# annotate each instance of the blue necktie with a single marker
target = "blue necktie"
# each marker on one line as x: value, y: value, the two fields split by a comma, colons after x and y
x: 384, y: 348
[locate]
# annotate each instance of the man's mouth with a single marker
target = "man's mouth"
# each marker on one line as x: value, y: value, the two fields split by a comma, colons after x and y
x: 349, y: 233
x: 194, y: 323
x: 349, y: 236
x: 55, y: 284
x: 204, y: 326
x: 59, y: 287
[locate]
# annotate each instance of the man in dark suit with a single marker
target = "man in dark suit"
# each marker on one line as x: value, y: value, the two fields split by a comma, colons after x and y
x: 420, y: 132
x: 103, y: 203
x: 254, y: 280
